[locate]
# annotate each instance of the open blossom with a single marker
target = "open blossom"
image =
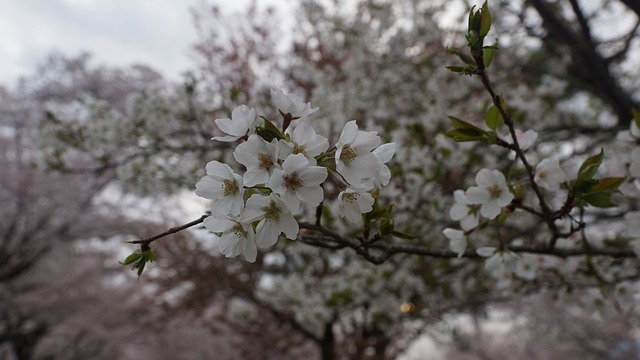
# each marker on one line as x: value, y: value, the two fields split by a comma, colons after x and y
x: 464, y: 211
x: 259, y: 157
x: 243, y: 121
x: 549, y: 174
x: 492, y: 193
x: 527, y: 267
x: 224, y: 187
x: 354, y: 159
x: 304, y: 140
x: 274, y: 216
x: 383, y: 153
x: 354, y: 203
x: 291, y: 104
x: 298, y: 181
x: 498, y: 260
x: 457, y: 240
x: 236, y: 237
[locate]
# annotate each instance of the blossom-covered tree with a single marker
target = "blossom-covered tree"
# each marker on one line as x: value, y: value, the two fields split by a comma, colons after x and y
x: 411, y: 191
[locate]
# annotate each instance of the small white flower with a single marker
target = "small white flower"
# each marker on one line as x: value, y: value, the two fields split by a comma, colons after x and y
x: 236, y: 237
x: 549, y: 174
x: 354, y: 159
x: 298, y: 181
x: 243, y: 121
x: 274, y: 216
x: 457, y: 240
x: 464, y: 211
x: 353, y: 204
x: 527, y: 267
x: 304, y: 140
x: 632, y: 219
x: 492, y: 193
x: 291, y: 104
x: 383, y: 153
x: 498, y: 261
x: 224, y: 187
x: 259, y: 157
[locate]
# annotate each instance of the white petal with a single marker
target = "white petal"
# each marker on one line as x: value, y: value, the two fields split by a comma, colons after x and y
x: 385, y: 152
x: 312, y: 195
x: 490, y: 210
x: 349, y: 133
x: 290, y: 226
x: 218, y: 225
x: 267, y: 233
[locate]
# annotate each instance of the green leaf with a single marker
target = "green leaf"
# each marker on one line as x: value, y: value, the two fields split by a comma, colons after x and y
x: 610, y: 184
x: 485, y: 19
x: 590, y: 166
x: 131, y: 258
x: 600, y: 199
x: 461, y: 55
x: 464, y: 135
x: 463, y: 70
x: 487, y: 56
x: 463, y: 125
x: 493, y: 118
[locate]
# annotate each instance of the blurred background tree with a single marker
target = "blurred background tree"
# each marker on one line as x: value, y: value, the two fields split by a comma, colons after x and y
x: 97, y: 155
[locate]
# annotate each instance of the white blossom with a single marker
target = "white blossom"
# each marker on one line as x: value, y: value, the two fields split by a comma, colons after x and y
x: 224, y: 187
x: 274, y: 218
x: 492, y: 193
x: 464, y: 211
x: 304, y: 140
x: 354, y: 203
x: 457, y: 240
x: 527, y: 267
x: 383, y: 153
x: 298, y: 181
x: 291, y: 104
x: 498, y: 261
x: 354, y: 159
x: 549, y: 174
x: 243, y: 121
x: 259, y: 157
x: 236, y: 237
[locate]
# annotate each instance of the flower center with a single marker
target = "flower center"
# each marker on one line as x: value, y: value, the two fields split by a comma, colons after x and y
x: 271, y: 212
x: 347, y: 155
x: 494, y: 191
x: 292, y: 181
x: 239, y: 231
x: 265, y: 161
x: 299, y: 149
x: 350, y: 197
x: 230, y: 187
x: 542, y: 175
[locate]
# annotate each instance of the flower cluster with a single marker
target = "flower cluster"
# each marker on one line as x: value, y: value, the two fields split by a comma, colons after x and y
x: 285, y: 170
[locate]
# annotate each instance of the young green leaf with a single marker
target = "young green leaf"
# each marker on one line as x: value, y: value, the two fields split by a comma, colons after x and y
x: 590, y: 166
x: 493, y: 118
x: 485, y: 19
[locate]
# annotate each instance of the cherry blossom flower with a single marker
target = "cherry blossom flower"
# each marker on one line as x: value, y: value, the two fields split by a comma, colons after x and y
x: 354, y: 159
x: 498, y: 260
x: 492, y: 193
x: 243, y: 121
x: 298, y: 181
x: 259, y: 157
x: 527, y: 267
x: 549, y: 174
x: 224, y: 187
x: 464, y: 211
x: 304, y: 140
x: 291, y: 104
x: 236, y: 237
x: 274, y: 216
x: 383, y: 153
x: 457, y: 240
x: 353, y: 204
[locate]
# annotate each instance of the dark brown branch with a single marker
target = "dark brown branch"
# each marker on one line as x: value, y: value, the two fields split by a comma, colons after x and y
x: 147, y: 241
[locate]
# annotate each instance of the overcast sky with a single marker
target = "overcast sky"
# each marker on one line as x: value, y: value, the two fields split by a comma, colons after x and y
x: 116, y: 32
